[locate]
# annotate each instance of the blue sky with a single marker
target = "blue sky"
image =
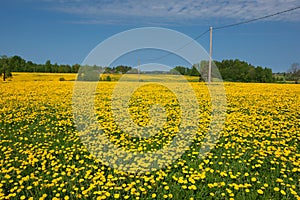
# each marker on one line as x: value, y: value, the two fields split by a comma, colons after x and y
x: 65, y: 31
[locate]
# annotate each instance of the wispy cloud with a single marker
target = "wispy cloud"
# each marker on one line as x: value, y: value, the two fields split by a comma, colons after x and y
x: 176, y: 11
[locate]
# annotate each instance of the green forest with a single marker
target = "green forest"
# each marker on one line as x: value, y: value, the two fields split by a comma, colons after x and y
x: 230, y: 70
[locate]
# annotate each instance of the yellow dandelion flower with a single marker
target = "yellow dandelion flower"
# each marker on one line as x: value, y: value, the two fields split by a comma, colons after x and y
x: 282, y: 192
x: 259, y: 191
x: 276, y: 189
x: 253, y: 179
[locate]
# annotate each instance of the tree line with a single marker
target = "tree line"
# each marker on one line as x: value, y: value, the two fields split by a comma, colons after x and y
x: 240, y: 71
x: 230, y: 70
x: 18, y: 64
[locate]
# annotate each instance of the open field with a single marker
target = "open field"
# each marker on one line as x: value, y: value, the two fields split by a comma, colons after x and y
x: 42, y: 157
x: 20, y: 76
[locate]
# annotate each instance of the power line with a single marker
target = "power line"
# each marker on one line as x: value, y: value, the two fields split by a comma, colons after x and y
x: 176, y: 50
x: 226, y: 26
x: 240, y: 23
x: 256, y: 19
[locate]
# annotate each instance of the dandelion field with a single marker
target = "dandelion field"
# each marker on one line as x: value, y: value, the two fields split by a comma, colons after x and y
x: 42, y: 157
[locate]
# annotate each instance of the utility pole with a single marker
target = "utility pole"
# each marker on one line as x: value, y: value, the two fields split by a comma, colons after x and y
x: 139, y: 70
x: 210, y: 55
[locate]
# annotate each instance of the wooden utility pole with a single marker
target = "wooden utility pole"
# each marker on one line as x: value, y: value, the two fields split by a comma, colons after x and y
x: 210, y: 55
x: 139, y: 70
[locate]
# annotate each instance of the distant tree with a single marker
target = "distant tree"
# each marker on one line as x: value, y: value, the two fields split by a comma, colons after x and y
x: 180, y: 70
x: 64, y: 69
x: 29, y: 67
x: 268, y: 75
x: 108, y: 70
x: 48, y: 66
x: 67, y: 69
x: 54, y: 68
x: 75, y: 68
x: 122, y: 69
x: 251, y: 74
x: 236, y: 70
x: 195, y: 70
x: 16, y: 63
x: 259, y: 74
x: 108, y: 78
x: 40, y: 68
x: 294, y: 72
x: 5, y: 70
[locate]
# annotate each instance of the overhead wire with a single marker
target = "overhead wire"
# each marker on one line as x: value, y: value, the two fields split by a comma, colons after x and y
x: 176, y: 50
x: 226, y: 26
x: 256, y: 19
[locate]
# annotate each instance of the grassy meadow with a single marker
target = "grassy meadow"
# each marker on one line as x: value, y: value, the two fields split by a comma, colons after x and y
x: 42, y: 157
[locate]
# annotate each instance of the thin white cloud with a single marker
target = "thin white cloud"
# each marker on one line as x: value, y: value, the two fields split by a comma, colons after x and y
x: 176, y: 11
